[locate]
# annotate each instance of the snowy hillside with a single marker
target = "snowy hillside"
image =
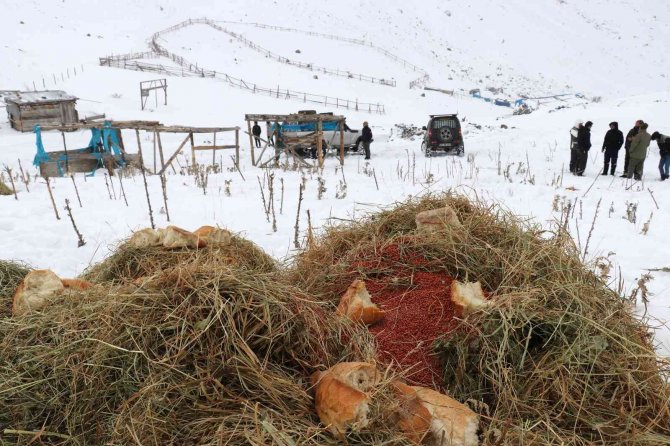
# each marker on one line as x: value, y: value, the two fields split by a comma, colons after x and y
x: 612, y: 50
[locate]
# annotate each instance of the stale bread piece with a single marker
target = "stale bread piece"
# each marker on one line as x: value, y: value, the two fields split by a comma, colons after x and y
x: 174, y: 237
x: 437, y: 220
x: 76, y: 284
x: 468, y: 296
x: 35, y: 290
x: 340, y: 395
x: 357, y: 305
x: 213, y: 236
x: 414, y: 419
x: 452, y: 423
x: 146, y: 238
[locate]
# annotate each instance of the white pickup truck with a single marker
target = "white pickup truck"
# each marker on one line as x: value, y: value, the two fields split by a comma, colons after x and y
x: 331, y: 134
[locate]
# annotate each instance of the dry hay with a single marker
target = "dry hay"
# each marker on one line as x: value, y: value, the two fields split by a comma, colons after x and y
x: 215, y: 355
x: 558, y: 359
x: 4, y: 189
x: 11, y: 274
x: 129, y: 263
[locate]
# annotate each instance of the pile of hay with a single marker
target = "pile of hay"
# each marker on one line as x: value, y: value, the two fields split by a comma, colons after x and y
x: 129, y: 263
x: 558, y: 358
x: 11, y: 274
x: 4, y: 189
x: 215, y: 355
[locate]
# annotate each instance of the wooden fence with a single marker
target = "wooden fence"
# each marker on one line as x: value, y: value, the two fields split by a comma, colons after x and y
x: 189, y: 69
x: 417, y: 83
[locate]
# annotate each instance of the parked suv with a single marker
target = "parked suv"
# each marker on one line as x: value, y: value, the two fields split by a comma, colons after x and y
x: 443, y: 135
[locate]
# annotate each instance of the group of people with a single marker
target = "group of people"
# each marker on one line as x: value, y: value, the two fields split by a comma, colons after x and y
x: 366, y: 137
x: 635, y: 144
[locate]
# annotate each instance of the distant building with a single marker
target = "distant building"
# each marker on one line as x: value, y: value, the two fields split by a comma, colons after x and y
x: 28, y: 108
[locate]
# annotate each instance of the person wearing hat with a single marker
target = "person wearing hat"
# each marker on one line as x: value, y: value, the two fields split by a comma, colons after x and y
x: 629, y: 137
x: 583, y: 144
x: 366, y: 138
x: 638, y: 152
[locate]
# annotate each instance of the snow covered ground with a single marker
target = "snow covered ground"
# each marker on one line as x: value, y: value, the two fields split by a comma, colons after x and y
x: 607, y: 49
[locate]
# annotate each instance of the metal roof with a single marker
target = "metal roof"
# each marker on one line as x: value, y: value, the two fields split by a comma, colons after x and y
x: 36, y: 97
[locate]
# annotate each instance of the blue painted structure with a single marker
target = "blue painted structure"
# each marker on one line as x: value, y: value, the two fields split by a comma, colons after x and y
x: 104, y: 143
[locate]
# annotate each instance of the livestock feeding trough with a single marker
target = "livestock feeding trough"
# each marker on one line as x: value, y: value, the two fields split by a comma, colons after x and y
x: 105, y: 149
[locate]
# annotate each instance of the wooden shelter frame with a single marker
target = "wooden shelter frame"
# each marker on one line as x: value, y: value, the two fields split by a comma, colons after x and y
x: 290, y: 144
x: 156, y: 128
x: 147, y: 86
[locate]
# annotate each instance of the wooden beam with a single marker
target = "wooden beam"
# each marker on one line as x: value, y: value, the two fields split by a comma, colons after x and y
x: 295, y: 117
x: 228, y: 146
x: 319, y: 142
x: 342, y: 144
x: 237, y: 149
x: 174, y: 155
x: 251, y: 143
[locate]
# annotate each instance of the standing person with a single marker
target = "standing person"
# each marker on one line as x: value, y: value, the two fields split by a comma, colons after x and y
x: 611, y: 145
x: 366, y: 138
x: 583, y: 146
x: 574, y: 149
x: 256, y: 131
x: 638, y: 152
x: 629, y: 138
x: 269, y: 131
x: 663, y: 142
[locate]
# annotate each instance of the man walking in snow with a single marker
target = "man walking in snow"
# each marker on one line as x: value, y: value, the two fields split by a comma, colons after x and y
x: 366, y: 138
x: 629, y: 138
x: 574, y: 148
x: 611, y: 145
x: 256, y: 130
x: 638, y: 152
x: 583, y: 146
x: 663, y: 142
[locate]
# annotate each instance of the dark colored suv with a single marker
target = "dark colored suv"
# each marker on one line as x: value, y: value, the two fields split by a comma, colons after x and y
x: 443, y: 135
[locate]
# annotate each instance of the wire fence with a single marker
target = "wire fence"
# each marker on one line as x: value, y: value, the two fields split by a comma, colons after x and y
x: 188, y: 69
x: 417, y: 83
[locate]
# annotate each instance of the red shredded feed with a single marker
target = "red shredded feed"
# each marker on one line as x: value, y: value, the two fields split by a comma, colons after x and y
x: 418, y: 310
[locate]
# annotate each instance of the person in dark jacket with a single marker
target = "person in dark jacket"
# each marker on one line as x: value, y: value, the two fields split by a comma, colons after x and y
x: 611, y: 145
x: 663, y: 142
x: 366, y: 138
x: 629, y: 137
x: 574, y: 149
x: 256, y: 131
x: 583, y: 145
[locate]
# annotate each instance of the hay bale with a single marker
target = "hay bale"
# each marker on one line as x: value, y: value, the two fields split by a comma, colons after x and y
x: 558, y: 358
x: 4, y: 189
x: 11, y: 275
x: 130, y: 263
x: 214, y: 356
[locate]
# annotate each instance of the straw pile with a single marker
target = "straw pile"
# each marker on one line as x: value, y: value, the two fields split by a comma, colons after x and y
x: 214, y: 355
x: 11, y: 274
x: 129, y: 263
x: 557, y: 359
x: 4, y: 189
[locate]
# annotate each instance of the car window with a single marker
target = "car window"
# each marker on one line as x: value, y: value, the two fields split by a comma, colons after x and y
x: 451, y: 123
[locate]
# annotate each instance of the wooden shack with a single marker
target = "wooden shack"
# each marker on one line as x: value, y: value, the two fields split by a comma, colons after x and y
x: 28, y: 108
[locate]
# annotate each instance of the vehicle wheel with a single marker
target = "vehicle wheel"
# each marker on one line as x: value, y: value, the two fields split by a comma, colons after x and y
x: 426, y: 150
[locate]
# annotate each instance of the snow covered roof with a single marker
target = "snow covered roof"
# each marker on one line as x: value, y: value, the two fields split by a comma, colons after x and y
x: 32, y: 97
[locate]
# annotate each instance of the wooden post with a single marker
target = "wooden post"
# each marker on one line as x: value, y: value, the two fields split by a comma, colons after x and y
x: 190, y: 135
x: 237, y: 148
x: 251, y: 143
x: 160, y: 150
x: 214, y: 152
x: 319, y: 138
x: 67, y: 161
x: 155, y: 169
x: 342, y: 143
